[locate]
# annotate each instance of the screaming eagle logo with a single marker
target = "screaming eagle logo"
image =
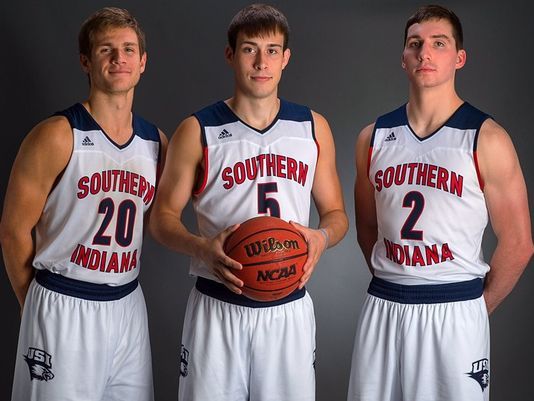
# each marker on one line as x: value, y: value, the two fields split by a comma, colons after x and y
x: 40, y: 364
x: 480, y: 372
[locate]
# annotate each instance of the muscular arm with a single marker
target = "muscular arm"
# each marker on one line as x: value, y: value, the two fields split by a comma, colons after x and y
x: 364, y: 198
x: 328, y: 199
x: 506, y: 199
x: 182, y: 167
x: 42, y: 157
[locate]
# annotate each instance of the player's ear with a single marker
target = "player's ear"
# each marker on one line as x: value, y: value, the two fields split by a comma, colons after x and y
x: 403, y: 63
x: 84, y: 62
x: 461, y: 58
x: 143, y: 62
x: 287, y: 55
x: 228, y: 54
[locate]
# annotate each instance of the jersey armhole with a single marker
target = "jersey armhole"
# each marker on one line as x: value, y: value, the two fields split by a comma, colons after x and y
x: 475, y: 156
x: 370, y: 153
x: 202, y: 180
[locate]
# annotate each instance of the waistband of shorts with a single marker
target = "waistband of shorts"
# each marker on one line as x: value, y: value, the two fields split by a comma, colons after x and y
x: 426, y: 294
x: 219, y: 291
x: 82, y: 289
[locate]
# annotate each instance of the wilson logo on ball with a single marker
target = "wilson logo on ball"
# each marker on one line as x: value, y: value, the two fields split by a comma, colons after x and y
x: 277, y: 274
x: 272, y: 254
x: 269, y: 245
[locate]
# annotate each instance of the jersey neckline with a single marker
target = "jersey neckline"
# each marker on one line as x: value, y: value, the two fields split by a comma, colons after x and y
x: 266, y: 129
x: 86, y: 112
x: 422, y: 139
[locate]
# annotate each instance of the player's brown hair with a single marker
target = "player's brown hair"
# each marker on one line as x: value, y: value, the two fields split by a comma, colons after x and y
x: 258, y: 19
x: 429, y: 12
x: 106, y: 18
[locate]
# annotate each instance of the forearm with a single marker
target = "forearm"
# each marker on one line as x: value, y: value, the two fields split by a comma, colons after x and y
x: 336, y: 224
x: 172, y: 233
x: 507, y: 265
x: 18, y: 254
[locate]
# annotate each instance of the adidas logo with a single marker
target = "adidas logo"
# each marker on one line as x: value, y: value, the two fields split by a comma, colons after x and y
x: 224, y: 134
x: 87, y: 142
x: 390, y: 137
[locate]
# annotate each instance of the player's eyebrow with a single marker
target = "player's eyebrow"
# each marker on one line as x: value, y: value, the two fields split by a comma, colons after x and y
x: 250, y: 42
x: 436, y: 36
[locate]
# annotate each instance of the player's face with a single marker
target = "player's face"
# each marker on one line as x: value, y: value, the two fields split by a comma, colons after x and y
x: 430, y: 58
x: 258, y: 63
x: 116, y: 63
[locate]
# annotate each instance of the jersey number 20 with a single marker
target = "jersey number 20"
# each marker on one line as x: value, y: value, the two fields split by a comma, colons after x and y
x: 125, y: 222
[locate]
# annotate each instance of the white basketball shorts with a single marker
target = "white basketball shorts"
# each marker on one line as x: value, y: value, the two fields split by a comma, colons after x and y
x: 72, y: 348
x: 422, y: 343
x: 233, y: 352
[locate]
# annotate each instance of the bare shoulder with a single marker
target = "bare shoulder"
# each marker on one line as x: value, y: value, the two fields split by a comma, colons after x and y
x: 185, y: 144
x: 364, y: 139
x: 322, y: 128
x: 49, y: 142
x: 491, y: 133
x: 494, y: 141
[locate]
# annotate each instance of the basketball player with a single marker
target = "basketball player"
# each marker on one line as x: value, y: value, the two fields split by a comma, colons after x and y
x: 253, y: 154
x: 428, y: 173
x: 84, y: 179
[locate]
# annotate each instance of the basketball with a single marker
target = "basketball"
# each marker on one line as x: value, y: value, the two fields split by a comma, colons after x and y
x: 272, y: 253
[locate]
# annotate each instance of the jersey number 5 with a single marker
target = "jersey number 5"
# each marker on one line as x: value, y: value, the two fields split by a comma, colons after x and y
x: 266, y: 204
x: 125, y: 222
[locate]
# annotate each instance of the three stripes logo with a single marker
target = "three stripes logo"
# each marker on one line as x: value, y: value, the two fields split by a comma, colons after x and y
x: 87, y: 142
x: 224, y: 134
x: 390, y: 137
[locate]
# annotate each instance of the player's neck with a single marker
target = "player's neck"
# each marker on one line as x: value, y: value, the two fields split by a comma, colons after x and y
x: 258, y: 113
x: 113, y: 114
x: 428, y: 110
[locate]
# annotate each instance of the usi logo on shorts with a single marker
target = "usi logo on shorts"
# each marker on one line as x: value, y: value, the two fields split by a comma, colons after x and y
x: 480, y: 372
x: 40, y: 364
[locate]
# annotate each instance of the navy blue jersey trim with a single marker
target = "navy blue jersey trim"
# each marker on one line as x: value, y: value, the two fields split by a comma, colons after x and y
x: 82, y: 120
x: 392, y: 119
x: 426, y: 294
x: 220, y: 113
x: 219, y: 291
x: 82, y: 289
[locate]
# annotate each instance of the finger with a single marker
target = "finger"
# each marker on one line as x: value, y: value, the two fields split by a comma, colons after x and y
x: 229, y: 279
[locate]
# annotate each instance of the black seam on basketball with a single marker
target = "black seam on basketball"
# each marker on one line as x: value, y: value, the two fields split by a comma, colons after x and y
x: 262, y: 231
x: 270, y: 290
x: 266, y: 262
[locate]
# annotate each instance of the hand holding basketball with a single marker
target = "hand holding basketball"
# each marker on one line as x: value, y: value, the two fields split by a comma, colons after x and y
x: 272, y: 253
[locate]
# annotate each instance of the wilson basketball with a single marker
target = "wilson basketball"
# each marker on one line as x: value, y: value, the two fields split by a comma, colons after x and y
x: 272, y: 253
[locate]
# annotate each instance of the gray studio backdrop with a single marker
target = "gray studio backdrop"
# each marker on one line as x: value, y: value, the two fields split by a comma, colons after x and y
x: 345, y: 64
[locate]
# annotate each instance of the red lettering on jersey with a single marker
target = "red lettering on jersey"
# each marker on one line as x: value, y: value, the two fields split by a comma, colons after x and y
x: 227, y: 178
x: 446, y: 253
x: 269, y: 165
x: 83, y: 187
x: 422, y: 174
x: 113, y: 265
x: 457, y: 184
x: 94, y: 259
x: 116, y: 180
x: 417, y: 255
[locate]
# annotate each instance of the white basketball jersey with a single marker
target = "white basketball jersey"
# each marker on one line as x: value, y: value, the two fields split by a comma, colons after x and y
x: 91, y: 228
x: 249, y: 173
x: 429, y: 197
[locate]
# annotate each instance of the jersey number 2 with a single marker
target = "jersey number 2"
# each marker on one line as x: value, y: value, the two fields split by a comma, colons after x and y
x: 266, y: 204
x: 125, y: 222
x: 416, y: 201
